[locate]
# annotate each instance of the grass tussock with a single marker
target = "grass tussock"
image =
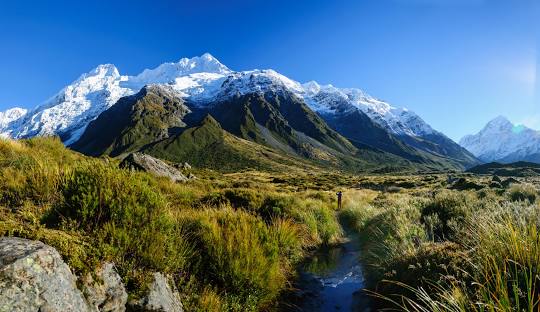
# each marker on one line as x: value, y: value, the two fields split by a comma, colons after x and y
x: 229, y: 245
x: 231, y: 242
x: 452, y: 250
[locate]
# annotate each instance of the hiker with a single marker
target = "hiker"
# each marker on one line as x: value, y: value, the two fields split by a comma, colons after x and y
x: 339, y: 199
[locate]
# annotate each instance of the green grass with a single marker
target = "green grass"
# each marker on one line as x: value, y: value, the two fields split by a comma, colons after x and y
x: 229, y: 244
x: 452, y: 250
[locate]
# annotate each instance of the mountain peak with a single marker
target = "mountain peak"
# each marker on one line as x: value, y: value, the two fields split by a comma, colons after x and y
x: 168, y: 72
x: 501, y: 140
x: 205, y: 63
x: 103, y: 70
x: 499, y: 122
x: 11, y: 115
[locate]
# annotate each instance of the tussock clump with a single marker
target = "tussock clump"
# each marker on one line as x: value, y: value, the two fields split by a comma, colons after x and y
x: 228, y: 245
x: 446, y: 212
x: 523, y: 192
x: 473, y: 251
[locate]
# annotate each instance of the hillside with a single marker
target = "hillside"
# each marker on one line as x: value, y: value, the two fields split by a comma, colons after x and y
x: 322, y: 123
x: 516, y: 169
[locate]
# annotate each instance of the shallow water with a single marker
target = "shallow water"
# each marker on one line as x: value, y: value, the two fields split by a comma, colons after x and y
x: 332, y: 280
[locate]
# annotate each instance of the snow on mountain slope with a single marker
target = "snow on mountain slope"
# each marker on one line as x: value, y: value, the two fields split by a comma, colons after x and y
x: 68, y: 113
x: 202, y: 80
x: 9, y: 117
x: 500, y: 140
x: 323, y: 99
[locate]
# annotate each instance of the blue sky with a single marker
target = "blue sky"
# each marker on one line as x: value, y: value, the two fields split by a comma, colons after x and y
x: 457, y: 63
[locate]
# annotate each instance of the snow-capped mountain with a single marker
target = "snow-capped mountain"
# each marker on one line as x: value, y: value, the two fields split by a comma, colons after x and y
x: 203, y: 81
x: 68, y: 112
x: 400, y: 121
x: 9, y: 117
x: 502, y: 141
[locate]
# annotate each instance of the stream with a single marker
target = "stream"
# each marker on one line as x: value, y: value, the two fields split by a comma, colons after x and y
x: 332, y: 280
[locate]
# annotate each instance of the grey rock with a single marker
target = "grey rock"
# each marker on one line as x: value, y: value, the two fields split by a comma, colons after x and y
x: 160, y: 297
x: 508, y: 182
x: 104, y: 290
x: 186, y: 166
x: 147, y: 163
x: 33, y: 277
x: 495, y: 184
x: 464, y: 184
x: 191, y: 176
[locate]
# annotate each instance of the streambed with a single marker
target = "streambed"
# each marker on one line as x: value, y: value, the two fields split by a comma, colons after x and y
x: 332, y: 280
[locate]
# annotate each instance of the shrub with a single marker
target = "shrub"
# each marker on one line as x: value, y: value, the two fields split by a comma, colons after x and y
x: 95, y: 193
x: 523, y: 192
x: 449, y: 208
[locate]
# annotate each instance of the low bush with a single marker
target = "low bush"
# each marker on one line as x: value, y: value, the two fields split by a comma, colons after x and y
x: 523, y: 192
x: 232, y: 246
x: 443, y: 214
x: 95, y: 193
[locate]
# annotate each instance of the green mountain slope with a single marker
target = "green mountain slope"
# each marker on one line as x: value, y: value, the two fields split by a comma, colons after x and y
x: 256, y: 130
x: 282, y: 121
x: 208, y: 145
x: 133, y: 122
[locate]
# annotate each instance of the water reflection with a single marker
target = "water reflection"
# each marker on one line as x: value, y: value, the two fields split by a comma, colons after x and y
x: 332, y: 280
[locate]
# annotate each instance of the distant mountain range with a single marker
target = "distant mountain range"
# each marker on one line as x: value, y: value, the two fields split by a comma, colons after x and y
x: 504, y: 142
x: 199, y: 109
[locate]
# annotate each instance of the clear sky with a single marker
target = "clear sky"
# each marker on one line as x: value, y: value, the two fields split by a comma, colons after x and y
x: 457, y: 63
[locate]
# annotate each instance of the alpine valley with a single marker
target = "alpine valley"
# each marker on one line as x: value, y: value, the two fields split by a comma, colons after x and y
x: 200, y: 111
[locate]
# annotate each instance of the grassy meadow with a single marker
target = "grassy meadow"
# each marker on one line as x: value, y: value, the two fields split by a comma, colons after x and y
x: 231, y: 242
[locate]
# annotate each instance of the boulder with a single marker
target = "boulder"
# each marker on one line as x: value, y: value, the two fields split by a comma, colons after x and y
x: 464, y: 184
x: 147, y: 163
x: 495, y: 184
x: 160, y: 297
x: 33, y: 277
x: 507, y: 182
x: 104, y: 289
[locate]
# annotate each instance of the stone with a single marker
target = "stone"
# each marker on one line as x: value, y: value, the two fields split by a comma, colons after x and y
x: 33, y: 277
x: 191, y: 176
x: 186, y: 166
x: 508, y: 182
x: 160, y: 297
x: 463, y: 184
x: 104, y: 289
x: 495, y: 184
x: 147, y: 163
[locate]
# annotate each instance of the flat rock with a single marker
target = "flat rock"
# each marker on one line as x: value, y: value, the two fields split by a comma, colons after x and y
x: 160, y: 297
x: 33, y: 277
x: 104, y: 289
x: 147, y: 163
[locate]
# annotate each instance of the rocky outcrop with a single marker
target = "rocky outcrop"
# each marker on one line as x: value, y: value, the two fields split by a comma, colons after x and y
x: 508, y: 182
x: 104, y: 290
x: 160, y: 297
x: 464, y: 184
x: 33, y: 277
x: 147, y: 163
